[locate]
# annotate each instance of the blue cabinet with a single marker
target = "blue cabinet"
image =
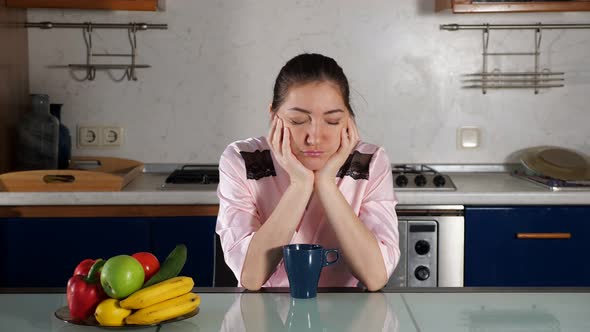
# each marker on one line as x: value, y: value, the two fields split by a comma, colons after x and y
x: 198, y: 234
x: 43, y: 252
x: 496, y: 256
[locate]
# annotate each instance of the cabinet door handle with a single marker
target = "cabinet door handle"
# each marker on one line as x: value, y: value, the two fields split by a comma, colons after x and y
x: 544, y: 236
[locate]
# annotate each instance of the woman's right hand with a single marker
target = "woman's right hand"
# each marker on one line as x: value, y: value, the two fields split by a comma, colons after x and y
x: 280, y: 144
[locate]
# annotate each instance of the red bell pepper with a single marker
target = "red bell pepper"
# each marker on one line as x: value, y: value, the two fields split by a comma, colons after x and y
x: 84, y: 267
x: 84, y: 293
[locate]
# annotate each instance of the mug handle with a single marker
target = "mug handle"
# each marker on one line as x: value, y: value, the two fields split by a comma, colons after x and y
x: 326, y: 252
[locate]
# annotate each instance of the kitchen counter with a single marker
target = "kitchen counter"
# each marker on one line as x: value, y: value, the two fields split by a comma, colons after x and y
x: 472, y: 189
x: 495, y: 188
x: 440, y: 310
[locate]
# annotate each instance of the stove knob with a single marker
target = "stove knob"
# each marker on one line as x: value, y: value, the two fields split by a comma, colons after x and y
x: 422, y: 247
x: 422, y: 273
x: 420, y: 180
x: 401, y: 181
x: 439, y: 181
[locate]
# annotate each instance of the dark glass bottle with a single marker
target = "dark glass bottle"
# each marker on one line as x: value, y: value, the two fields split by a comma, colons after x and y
x: 37, y: 136
x: 64, y: 147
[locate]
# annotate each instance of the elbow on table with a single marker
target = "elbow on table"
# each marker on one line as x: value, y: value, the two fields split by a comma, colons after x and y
x: 375, y: 284
x: 250, y: 283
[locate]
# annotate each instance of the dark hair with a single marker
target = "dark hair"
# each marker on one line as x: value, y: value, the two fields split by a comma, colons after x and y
x: 307, y: 68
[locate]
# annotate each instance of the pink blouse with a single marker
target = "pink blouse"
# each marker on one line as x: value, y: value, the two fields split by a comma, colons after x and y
x: 252, y: 183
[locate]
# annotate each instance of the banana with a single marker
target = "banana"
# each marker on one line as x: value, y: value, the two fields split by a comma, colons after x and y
x: 166, y: 310
x: 157, y: 293
x: 171, y: 267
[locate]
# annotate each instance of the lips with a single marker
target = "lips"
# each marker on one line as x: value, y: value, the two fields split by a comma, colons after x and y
x: 313, y: 153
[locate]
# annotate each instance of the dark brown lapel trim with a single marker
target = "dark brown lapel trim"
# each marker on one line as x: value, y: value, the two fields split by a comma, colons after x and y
x: 258, y: 164
x: 356, y: 166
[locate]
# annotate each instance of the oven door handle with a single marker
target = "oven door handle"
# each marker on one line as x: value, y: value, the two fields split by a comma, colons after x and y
x: 544, y: 236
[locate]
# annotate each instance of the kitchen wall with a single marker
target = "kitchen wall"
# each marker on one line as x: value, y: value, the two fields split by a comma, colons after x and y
x: 214, y: 68
x: 14, y: 75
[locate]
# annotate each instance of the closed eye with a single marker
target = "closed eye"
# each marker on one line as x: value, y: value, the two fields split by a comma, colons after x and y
x: 333, y: 123
x: 297, y: 122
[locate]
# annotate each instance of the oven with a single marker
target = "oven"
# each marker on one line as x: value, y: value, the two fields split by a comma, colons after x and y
x: 431, y: 241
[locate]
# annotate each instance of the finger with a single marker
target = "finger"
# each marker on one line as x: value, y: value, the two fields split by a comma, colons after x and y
x: 345, y: 138
x: 353, y: 132
x: 276, y: 140
x: 273, y: 127
x: 286, y: 142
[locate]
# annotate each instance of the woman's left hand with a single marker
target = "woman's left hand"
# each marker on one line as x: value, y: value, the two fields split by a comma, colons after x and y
x: 349, y: 137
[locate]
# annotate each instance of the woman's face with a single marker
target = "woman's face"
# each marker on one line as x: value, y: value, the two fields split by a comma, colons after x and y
x: 315, y: 114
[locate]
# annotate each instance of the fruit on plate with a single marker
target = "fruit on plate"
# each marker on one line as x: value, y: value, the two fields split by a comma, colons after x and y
x: 150, y: 263
x: 159, y: 292
x: 84, y: 293
x: 121, y: 276
x: 169, y: 309
x: 171, y: 267
x: 110, y: 313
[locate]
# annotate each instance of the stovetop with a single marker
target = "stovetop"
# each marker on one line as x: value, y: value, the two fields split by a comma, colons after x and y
x: 406, y: 177
x: 417, y: 177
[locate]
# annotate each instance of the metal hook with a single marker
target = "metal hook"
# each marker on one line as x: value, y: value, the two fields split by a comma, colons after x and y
x: 87, y: 34
x: 132, y: 34
x: 538, y: 36
x: 485, y: 40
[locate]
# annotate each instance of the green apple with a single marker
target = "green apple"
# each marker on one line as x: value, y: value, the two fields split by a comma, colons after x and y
x: 121, y: 276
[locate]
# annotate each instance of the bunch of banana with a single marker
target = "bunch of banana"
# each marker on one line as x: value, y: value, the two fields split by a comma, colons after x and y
x: 162, y: 301
x: 159, y: 312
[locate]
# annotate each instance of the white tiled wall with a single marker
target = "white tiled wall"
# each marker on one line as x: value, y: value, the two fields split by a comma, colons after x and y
x: 214, y: 68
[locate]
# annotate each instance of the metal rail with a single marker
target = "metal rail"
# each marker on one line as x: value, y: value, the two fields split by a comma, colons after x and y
x: 456, y: 27
x: 496, y: 79
x: 136, y: 26
x: 90, y: 67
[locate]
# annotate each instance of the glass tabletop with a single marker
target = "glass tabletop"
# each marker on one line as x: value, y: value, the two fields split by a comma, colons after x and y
x: 505, y: 311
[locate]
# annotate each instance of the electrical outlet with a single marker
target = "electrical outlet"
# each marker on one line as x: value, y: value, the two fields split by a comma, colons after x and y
x: 88, y: 136
x: 111, y: 136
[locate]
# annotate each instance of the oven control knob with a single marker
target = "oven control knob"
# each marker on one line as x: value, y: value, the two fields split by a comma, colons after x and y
x: 401, y: 181
x: 422, y: 247
x: 422, y: 273
x: 420, y: 180
x: 439, y: 181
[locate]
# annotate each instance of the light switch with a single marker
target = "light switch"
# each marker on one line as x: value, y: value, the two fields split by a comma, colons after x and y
x: 468, y: 137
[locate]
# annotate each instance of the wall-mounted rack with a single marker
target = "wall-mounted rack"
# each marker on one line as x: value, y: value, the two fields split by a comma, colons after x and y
x: 90, y: 67
x: 495, y: 79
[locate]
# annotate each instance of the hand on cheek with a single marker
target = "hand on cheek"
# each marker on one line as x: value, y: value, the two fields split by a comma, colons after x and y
x: 348, y: 140
x: 280, y: 144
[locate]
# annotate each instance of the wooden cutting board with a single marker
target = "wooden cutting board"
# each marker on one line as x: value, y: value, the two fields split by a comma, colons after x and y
x: 84, y: 174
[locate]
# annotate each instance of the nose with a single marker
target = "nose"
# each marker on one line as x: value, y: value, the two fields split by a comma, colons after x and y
x: 313, y: 135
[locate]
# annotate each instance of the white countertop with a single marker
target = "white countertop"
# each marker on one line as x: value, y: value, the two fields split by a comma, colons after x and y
x: 472, y: 189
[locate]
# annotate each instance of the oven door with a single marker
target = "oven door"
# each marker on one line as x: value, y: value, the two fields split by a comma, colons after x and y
x: 431, y: 240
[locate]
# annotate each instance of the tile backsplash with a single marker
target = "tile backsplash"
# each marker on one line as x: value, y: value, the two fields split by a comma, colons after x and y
x: 213, y: 71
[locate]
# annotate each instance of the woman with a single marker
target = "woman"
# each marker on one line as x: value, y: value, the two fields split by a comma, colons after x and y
x: 309, y: 181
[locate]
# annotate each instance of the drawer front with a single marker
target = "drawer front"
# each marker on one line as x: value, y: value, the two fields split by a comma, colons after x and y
x: 496, y: 256
x: 43, y: 252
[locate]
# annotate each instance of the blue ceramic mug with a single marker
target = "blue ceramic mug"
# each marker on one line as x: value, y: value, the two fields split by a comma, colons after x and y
x: 304, y: 263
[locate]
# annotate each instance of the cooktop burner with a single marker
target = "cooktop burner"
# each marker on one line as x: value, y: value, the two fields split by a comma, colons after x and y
x: 190, y: 176
x: 420, y: 177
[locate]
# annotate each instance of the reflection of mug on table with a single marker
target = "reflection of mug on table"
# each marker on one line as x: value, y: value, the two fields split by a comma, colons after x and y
x: 304, y: 315
x: 279, y: 312
x: 304, y: 263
